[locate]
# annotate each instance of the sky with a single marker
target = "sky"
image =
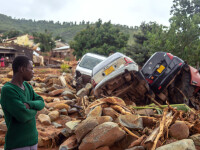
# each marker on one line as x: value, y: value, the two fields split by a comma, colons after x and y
x: 124, y: 12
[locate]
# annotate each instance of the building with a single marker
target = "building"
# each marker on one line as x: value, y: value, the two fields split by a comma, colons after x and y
x: 11, y: 50
x: 64, y: 52
x: 24, y: 40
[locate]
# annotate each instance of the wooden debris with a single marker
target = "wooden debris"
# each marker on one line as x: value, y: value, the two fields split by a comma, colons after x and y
x: 128, y: 131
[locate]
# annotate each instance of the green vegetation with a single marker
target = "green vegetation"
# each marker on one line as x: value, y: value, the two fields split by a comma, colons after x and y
x: 65, y: 68
x: 65, y: 30
x: 181, y: 38
x: 101, y: 39
x: 45, y: 40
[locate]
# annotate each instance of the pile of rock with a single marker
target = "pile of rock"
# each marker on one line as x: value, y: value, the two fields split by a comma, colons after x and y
x: 102, y: 126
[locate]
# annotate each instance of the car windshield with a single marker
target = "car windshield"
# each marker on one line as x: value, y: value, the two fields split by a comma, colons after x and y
x: 89, y: 62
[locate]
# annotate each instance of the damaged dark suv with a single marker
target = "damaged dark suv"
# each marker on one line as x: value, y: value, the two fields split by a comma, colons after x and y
x: 170, y: 78
x: 160, y: 69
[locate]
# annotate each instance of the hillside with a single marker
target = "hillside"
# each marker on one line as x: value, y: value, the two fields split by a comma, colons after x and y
x: 67, y: 29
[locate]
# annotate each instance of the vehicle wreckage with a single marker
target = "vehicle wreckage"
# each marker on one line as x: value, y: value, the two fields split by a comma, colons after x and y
x: 164, y: 77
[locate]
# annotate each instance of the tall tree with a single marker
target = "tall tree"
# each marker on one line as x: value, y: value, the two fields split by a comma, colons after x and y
x: 182, y: 37
x: 46, y: 41
x: 99, y: 38
x: 137, y: 50
x: 11, y: 34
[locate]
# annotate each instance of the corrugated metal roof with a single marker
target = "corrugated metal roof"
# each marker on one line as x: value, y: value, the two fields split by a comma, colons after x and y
x: 61, y: 48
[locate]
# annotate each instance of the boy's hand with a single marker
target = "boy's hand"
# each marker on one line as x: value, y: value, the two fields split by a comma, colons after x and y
x: 27, y: 105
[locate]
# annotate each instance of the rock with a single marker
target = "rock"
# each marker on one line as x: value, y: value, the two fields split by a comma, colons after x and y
x: 10, y: 74
x: 49, y: 99
x: 56, y: 100
x: 57, y: 125
x: 130, y: 121
x: 73, y: 110
x: 102, y: 119
x: 61, y: 106
x: 66, y: 98
x: 62, y: 80
x: 105, y: 134
x: 43, y: 111
x: 52, y: 88
x: 97, y: 111
x: 146, y: 112
x: 44, y: 141
x: 103, y: 148
x: 4, y: 80
x: 44, y: 119
x: 2, y: 141
x: 65, y: 133
x: 126, y: 142
x: 196, y: 139
x: 1, y: 113
x: 32, y: 83
x: 42, y: 85
x: 69, y: 102
x: 179, y: 130
x: 63, y: 111
x: 70, y: 143
x: 85, y: 127
x: 186, y: 144
x: 54, y: 115
x: 3, y: 127
x: 88, y: 87
x: 110, y: 112
x: 89, y: 124
x: 56, y: 92
x: 37, y: 84
x: 82, y: 92
x: 69, y: 94
x: 71, y: 125
x: 136, y: 148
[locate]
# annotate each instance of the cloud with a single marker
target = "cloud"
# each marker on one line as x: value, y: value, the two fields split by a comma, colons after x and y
x: 125, y: 12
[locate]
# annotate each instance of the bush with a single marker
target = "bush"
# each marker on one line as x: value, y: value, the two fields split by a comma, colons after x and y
x: 65, y: 68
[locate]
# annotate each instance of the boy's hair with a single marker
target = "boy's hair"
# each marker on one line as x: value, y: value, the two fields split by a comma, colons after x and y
x: 20, y: 61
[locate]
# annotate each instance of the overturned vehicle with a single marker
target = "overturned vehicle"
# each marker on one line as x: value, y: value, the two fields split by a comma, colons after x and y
x: 172, y: 79
x: 164, y: 77
x: 118, y: 76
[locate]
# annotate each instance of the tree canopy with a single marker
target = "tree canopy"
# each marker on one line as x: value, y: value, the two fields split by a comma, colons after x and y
x: 182, y: 38
x: 46, y: 41
x: 101, y: 39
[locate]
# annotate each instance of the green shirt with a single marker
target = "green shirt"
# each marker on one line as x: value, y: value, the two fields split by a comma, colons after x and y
x: 20, y: 121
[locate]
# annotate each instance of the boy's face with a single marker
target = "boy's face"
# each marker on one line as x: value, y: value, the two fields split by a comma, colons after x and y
x: 28, y: 72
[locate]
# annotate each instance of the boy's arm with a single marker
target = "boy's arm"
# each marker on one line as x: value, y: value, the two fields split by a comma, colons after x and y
x: 11, y: 103
x: 37, y: 103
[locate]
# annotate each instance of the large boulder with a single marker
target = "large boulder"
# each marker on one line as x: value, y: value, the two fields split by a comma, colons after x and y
x: 131, y: 121
x: 70, y: 143
x: 97, y: 111
x: 179, y: 130
x: 196, y: 139
x: 105, y: 134
x: 88, y: 125
x: 71, y: 125
x: 186, y: 144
